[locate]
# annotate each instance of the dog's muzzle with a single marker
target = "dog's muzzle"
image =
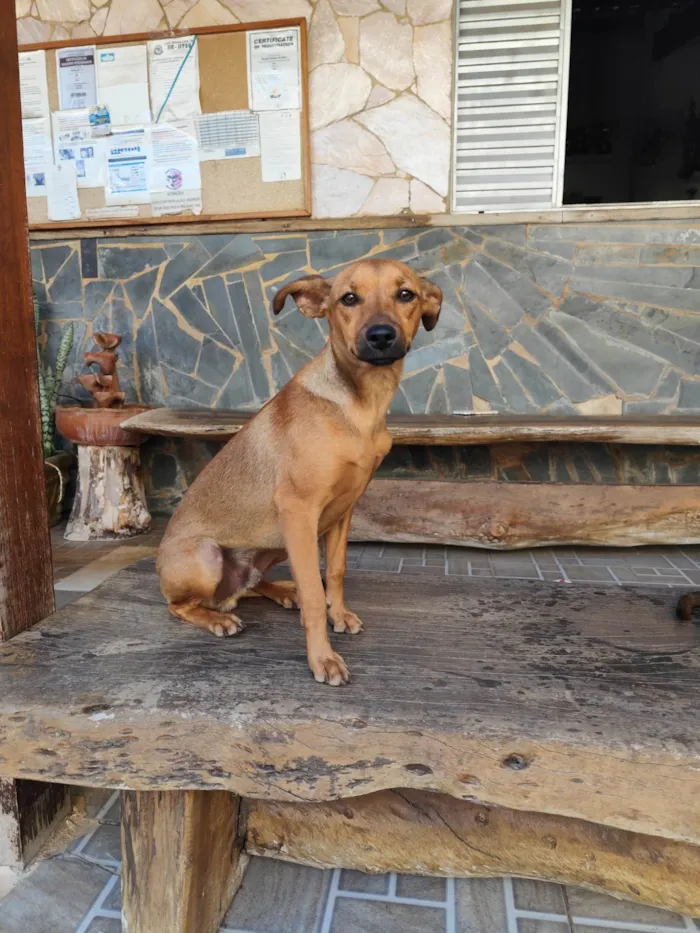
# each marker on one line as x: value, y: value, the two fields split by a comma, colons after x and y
x: 381, y: 345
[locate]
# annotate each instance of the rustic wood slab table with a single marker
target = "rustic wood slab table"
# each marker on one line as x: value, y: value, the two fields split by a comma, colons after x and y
x: 535, y: 729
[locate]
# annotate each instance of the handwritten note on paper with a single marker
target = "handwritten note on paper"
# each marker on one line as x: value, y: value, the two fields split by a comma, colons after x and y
x: 280, y: 145
x: 63, y: 201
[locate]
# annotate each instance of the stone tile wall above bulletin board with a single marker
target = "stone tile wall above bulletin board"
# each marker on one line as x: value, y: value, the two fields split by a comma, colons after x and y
x: 380, y: 85
x: 596, y: 318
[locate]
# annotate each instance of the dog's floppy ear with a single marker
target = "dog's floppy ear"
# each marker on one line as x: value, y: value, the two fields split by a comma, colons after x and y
x: 310, y: 293
x: 432, y: 302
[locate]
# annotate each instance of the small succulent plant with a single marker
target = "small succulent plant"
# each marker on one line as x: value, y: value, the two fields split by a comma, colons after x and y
x: 50, y: 383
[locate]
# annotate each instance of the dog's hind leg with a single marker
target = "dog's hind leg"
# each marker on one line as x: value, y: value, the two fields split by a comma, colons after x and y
x: 191, y: 575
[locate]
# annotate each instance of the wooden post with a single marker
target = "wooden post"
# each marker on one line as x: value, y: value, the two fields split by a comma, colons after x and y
x: 26, y: 590
x: 182, y: 860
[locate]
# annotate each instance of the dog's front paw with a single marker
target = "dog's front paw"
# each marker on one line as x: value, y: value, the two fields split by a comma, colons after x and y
x: 226, y: 624
x: 345, y: 621
x: 330, y: 669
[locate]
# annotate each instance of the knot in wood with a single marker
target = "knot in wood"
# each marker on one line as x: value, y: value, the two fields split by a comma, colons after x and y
x: 493, y: 531
x: 516, y: 762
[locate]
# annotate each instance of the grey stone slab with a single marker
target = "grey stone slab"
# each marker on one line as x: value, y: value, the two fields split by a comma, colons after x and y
x: 570, y: 382
x: 438, y: 352
x: 607, y: 254
x: 184, y: 386
x: 258, y: 308
x: 480, y: 906
x: 537, y: 464
x: 174, y: 249
x: 64, y: 597
x: 37, y: 264
x: 452, y: 318
x: 67, y: 284
x: 685, y: 299
x: 682, y: 255
x: 186, y: 263
x: 548, y: 272
x: 589, y: 574
x: 105, y: 844
x: 458, y: 385
x: 682, y: 235
x: 679, y: 323
x: 483, y: 384
x: 215, y: 364
x: 193, y: 311
x: 140, y: 290
x: 367, y: 884
x: 393, y: 235
x: 399, y: 404
x: 438, y: 403
x: 218, y: 302
x: 176, y: 347
x: 417, y: 390
x: 648, y: 407
x: 271, y: 245
x: 652, y: 276
x: 491, y: 336
x: 572, y: 355
x: 149, y: 386
x: 271, y: 290
x: 402, y: 252
x: 329, y: 252
x: 238, y: 252
x: 668, y: 387
x: 238, y: 392
x: 421, y: 888
x: 537, y: 385
x: 88, y: 258
x: 469, y: 234
x: 278, y: 897
x: 515, y: 398
x: 282, y: 265
x: 123, y: 262
x: 480, y: 286
x: 53, y: 258
x: 520, y: 288
x: 39, y: 292
x: 105, y: 925
x: 214, y: 242
x: 536, y: 925
x: 362, y: 916
x: 689, y: 398
x: 513, y: 233
x: 60, y: 310
x: 163, y: 471
x: 53, y: 898
x: 302, y: 331
x: 249, y: 338
x: 95, y: 295
x: 588, y: 904
x: 281, y: 373
x: 635, y: 372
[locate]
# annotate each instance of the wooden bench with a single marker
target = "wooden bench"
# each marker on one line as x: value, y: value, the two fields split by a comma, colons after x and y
x: 499, y: 514
x: 529, y: 729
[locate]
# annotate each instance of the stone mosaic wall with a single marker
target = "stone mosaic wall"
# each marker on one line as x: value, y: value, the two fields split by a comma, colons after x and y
x: 380, y: 85
x: 555, y: 318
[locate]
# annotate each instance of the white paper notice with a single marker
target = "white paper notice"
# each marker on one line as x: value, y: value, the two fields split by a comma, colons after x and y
x: 33, y: 88
x: 230, y: 134
x: 75, y: 141
x: 63, y: 201
x: 38, y: 158
x: 128, y: 165
x: 77, y: 86
x: 179, y: 202
x: 173, y: 67
x: 274, y: 71
x: 280, y: 144
x: 175, y: 181
x: 122, y: 77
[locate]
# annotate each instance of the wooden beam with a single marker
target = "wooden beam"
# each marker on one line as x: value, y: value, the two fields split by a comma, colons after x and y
x: 26, y: 589
x: 449, y: 430
x: 182, y: 860
x: 430, y: 834
x: 502, y: 516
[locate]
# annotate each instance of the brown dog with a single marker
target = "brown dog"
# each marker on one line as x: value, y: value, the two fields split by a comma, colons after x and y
x: 294, y: 473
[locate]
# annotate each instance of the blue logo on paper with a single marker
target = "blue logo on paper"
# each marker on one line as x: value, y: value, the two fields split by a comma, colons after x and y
x: 106, y: 56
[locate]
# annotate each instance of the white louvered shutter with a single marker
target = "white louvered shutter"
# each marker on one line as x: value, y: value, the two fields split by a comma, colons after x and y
x: 510, y: 103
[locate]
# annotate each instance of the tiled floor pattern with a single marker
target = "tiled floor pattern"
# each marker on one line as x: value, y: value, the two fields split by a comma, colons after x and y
x: 78, y: 890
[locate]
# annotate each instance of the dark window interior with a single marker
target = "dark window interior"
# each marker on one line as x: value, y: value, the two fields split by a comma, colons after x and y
x: 633, y: 128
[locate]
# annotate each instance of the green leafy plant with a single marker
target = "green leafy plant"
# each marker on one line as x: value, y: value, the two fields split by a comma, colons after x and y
x: 50, y: 383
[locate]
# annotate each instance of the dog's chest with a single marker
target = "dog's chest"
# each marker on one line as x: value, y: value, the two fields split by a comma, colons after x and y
x: 356, y: 470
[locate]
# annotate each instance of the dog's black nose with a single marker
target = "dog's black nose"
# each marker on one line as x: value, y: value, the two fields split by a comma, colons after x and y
x: 381, y: 337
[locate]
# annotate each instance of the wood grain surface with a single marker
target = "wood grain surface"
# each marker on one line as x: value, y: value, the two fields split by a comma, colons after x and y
x: 222, y: 424
x: 502, y: 516
x: 419, y: 832
x: 570, y: 700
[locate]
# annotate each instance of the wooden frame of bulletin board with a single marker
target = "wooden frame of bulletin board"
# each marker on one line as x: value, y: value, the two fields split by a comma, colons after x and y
x: 232, y: 189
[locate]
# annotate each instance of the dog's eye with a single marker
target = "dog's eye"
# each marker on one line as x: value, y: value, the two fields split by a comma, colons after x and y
x: 349, y: 299
x: 405, y: 294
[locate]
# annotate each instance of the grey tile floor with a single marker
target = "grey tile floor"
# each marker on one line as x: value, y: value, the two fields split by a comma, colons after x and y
x: 78, y: 889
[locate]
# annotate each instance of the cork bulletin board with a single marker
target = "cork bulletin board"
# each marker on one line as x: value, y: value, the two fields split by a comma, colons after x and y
x: 232, y: 189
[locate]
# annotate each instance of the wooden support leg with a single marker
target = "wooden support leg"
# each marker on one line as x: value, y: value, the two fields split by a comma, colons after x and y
x: 182, y: 860
x: 110, y: 500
